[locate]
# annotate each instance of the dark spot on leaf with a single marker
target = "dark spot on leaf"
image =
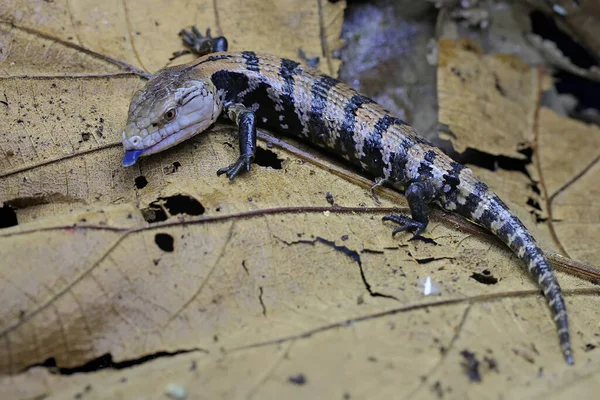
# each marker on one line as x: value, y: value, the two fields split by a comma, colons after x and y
x: 589, y: 347
x: 164, y: 241
x: 329, y: 198
x: 534, y: 203
x: 498, y: 86
x: 299, y: 379
x: 470, y: 365
x: 485, y: 277
x: 154, y: 214
x: 172, y: 168
x: 491, y: 363
x: 458, y: 74
x: 437, y: 389
x: 141, y: 182
x: 468, y: 46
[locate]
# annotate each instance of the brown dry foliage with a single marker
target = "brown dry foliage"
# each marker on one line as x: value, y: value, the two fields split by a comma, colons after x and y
x: 269, y: 291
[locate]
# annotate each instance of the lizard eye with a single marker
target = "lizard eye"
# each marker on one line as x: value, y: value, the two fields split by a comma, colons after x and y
x: 170, y: 114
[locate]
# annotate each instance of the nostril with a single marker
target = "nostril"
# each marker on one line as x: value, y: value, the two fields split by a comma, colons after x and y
x: 155, y: 125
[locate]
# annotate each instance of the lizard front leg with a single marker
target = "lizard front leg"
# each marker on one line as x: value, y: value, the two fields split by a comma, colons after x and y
x: 418, y: 195
x: 246, y: 122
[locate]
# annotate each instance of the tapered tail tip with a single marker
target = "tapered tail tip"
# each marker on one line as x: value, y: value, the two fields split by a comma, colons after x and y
x: 569, y: 357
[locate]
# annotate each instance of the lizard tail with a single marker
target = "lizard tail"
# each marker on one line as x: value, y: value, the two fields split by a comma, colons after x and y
x: 491, y: 212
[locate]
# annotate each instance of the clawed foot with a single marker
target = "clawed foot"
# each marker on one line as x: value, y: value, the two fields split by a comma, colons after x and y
x: 202, y: 44
x: 406, y: 224
x: 237, y: 167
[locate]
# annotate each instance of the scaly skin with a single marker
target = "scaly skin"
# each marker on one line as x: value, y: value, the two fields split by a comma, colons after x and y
x: 258, y: 89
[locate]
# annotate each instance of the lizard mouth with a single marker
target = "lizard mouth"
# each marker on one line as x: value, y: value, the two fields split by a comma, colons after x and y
x: 132, y: 155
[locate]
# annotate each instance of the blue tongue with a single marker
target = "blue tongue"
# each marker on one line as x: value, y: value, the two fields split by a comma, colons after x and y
x: 131, y: 157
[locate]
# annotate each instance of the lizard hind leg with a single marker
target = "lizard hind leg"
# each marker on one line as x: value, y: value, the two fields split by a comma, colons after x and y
x: 418, y: 195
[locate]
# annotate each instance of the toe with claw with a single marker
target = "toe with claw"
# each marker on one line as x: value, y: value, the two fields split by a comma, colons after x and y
x: 202, y: 44
x: 405, y: 223
x: 240, y: 166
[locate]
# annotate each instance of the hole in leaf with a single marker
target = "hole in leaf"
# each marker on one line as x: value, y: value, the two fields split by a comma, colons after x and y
x: 267, y: 158
x: 163, y: 207
x: 8, y: 216
x: 182, y: 204
x: 164, y: 241
x: 141, y: 182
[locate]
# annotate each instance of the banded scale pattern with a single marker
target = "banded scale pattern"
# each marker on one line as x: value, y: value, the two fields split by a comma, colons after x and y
x: 296, y: 101
x: 288, y: 98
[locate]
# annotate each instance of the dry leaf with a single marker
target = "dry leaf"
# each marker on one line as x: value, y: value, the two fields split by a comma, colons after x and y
x: 569, y: 159
x: 485, y: 100
x: 169, y: 279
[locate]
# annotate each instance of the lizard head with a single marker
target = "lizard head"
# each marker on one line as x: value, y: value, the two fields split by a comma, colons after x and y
x: 173, y: 106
